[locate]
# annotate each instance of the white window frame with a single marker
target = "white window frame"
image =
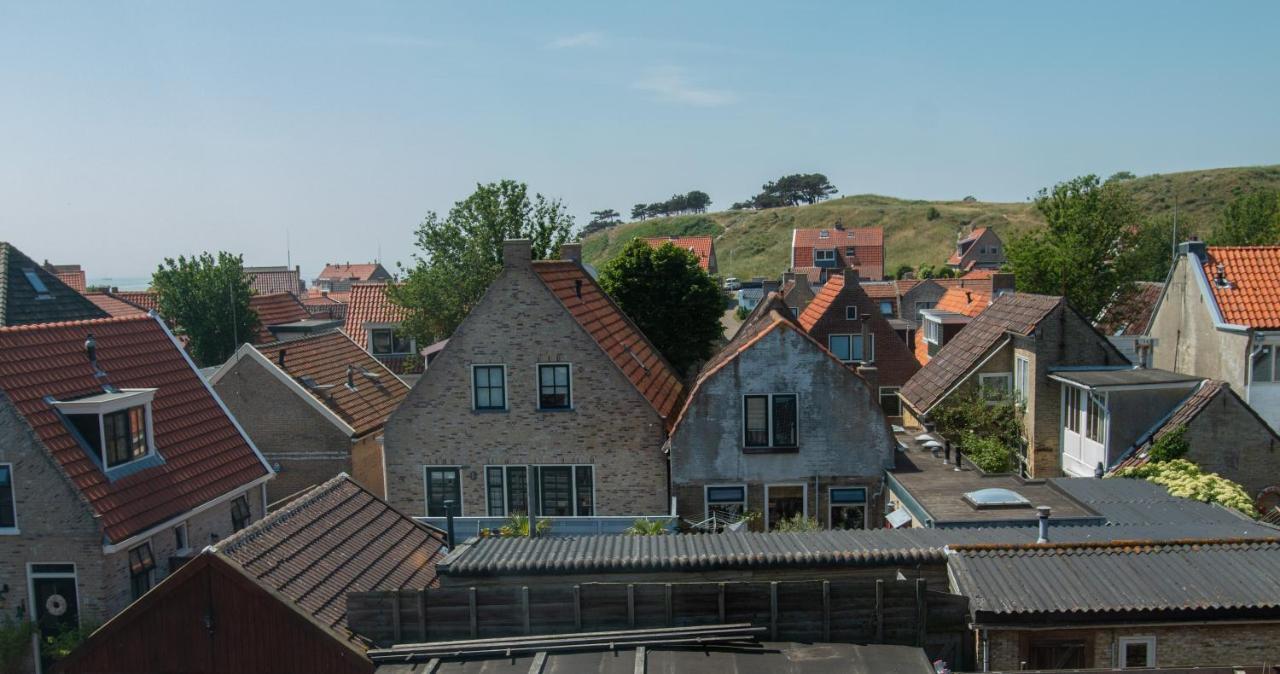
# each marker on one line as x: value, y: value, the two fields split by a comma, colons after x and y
x: 1151, y: 651
x: 852, y: 337
x: 530, y: 470
x: 1006, y: 377
x: 706, y: 499
x: 506, y: 392
x: 537, y: 386
x: 426, y: 490
x: 16, y: 529
x: 851, y: 312
x: 804, y: 491
x: 769, y: 414
x: 32, y: 575
x: 125, y: 400
x: 823, y: 255
x: 831, y: 505
x: 369, y: 329
x: 932, y: 330
x: 1021, y: 378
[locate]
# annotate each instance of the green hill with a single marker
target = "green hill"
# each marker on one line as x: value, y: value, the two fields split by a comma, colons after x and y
x: 758, y: 243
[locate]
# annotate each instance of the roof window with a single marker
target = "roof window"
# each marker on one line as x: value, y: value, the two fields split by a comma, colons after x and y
x: 37, y: 284
x: 996, y: 497
x: 114, y: 428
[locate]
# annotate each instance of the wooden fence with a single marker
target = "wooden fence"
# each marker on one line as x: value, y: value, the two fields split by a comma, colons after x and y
x: 846, y: 611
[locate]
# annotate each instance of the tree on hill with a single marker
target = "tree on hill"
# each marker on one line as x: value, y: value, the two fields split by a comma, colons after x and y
x: 695, y: 201
x: 207, y: 300
x: 1085, y: 252
x: 791, y: 190
x: 1121, y: 175
x: 602, y: 220
x: 640, y: 211
x: 1250, y: 220
x: 669, y: 297
x: 903, y: 271
x: 459, y: 255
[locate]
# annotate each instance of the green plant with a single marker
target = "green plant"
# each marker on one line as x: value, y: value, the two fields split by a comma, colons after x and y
x: 647, y: 527
x: 797, y: 523
x: 973, y: 415
x: 903, y: 271
x: 1186, y: 479
x: 518, y: 525
x: 58, y: 646
x: 411, y: 364
x: 15, y: 642
x: 1170, y: 446
x: 741, y: 313
x: 988, y: 453
x: 932, y: 214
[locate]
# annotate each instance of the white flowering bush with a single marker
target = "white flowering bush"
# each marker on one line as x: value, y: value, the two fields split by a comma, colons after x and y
x: 1185, y: 479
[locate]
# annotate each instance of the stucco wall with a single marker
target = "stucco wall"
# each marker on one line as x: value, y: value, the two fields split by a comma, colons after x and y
x: 1186, y: 339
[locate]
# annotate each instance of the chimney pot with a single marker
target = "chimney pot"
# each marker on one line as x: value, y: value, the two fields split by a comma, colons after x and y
x: 1042, y: 513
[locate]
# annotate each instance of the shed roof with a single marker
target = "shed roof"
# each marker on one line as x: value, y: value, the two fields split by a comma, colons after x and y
x: 1105, y: 378
x: 1139, y: 502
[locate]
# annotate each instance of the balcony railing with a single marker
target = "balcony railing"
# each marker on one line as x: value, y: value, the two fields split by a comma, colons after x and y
x: 468, y: 527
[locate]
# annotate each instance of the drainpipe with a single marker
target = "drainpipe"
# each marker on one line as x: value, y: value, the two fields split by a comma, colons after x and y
x: 986, y: 651
x: 448, y: 520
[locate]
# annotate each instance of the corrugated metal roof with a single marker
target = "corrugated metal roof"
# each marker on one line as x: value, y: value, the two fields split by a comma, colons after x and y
x: 875, y: 547
x: 1130, y: 502
x: 1118, y: 577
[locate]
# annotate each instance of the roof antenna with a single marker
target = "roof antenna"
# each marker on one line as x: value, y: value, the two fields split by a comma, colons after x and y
x: 91, y: 351
x: 288, y: 256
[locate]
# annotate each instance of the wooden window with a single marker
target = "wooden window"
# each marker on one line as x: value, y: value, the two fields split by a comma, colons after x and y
x: 444, y: 483
x: 784, y: 501
x: 1095, y: 417
x: 240, y: 513
x: 770, y: 421
x: 554, y: 387
x: 848, y: 507
x: 995, y: 386
x: 1021, y: 378
x: 756, y: 420
x: 8, y: 500
x: 1071, y: 410
x: 141, y: 569
x: 555, y: 489
x: 124, y: 436
x: 489, y: 387
x: 850, y: 348
x: 564, y: 490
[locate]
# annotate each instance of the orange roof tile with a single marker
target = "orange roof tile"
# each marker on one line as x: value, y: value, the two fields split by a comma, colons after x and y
x: 699, y: 245
x: 629, y: 349
x: 967, y: 301
x: 205, y: 455
x: 352, y: 272
x: 114, y: 305
x: 324, y: 358
x: 145, y: 299
x: 867, y: 242
x: 368, y: 303
x: 1253, y: 297
x: 276, y: 309
x: 75, y: 279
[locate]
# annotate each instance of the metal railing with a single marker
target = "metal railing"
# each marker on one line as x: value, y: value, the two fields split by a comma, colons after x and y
x: 469, y: 527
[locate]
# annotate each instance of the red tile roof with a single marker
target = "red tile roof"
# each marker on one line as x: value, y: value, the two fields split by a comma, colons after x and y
x: 336, y: 539
x: 114, y: 305
x: 205, y: 455
x: 1253, y: 296
x: 352, y: 272
x: 1130, y: 314
x: 368, y: 303
x: 75, y: 279
x: 269, y: 280
x: 276, y: 309
x: 980, y: 273
x: 867, y: 242
x: 629, y: 349
x: 969, y: 238
x: 956, y: 300
x: 825, y: 315
x: 699, y: 245
x: 140, y: 298
x: 324, y: 358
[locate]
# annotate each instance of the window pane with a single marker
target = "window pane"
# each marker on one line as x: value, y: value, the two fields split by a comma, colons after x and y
x: 886, y: 308
x: 784, y: 421
x: 757, y: 421
x: 487, y: 380
x: 839, y: 345
x: 138, y: 432
x: 1262, y: 367
x: 517, y: 490
x: 848, y: 517
x: 855, y: 348
x: 497, y: 500
x: 585, y: 491
x: 403, y: 344
x: 381, y: 341
x: 553, y: 387
x: 726, y: 494
x: 115, y: 427
x: 443, y: 485
x: 556, y: 487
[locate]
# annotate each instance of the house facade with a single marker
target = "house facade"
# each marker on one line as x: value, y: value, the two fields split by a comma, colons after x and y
x: 1219, y: 318
x: 775, y: 424
x: 849, y: 324
x: 704, y: 247
x: 796, y: 291
x: 981, y: 248
x: 946, y: 318
x: 1014, y: 346
x: 836, y: 248
x: 117, y: 463
x: 314, y: 406
x: 546, y: 394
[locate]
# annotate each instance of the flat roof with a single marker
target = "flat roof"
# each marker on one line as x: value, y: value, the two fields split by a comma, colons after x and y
x: 1104, y: 378
x: 935, y: 490
x: 946, y: 316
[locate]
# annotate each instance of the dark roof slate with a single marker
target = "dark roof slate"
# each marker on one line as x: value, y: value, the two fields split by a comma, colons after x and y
x: 21, y: 304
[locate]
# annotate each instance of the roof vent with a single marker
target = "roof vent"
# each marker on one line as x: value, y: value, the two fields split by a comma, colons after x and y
x: 824, y: 234
x: 280, y: 358
x: 1220, y: 276
x: 91, y: 352
x: 351, y: 377
x: 577, y: 287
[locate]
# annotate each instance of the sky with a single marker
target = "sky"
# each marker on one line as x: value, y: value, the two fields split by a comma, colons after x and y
x: 318, y: 132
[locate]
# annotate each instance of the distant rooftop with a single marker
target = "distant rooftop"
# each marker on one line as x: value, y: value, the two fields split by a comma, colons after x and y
x: 1110, y: 378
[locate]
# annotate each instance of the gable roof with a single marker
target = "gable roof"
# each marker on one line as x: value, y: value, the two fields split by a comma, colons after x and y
x: 1123, y: 578
x: 353, y: 272
x: 336, y: 539
x: 867, y: 242
x: 617, y: 336
x: 1130, y: 314
x: 702, y: 246
x: 269, y: 280
x: 276, y: 309
x: 323, y: 359
x: 1252, y: 297
x: 145, y: 299
x: 22, y: 304
x: 114, y: 306
x: 966, y: 301
x: 1017, y: 313
x: 368, y: 303
x: 958, y: 255
x: 206, y: 454
x: 824, y: 301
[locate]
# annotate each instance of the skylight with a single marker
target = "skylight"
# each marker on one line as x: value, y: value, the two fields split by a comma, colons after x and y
x: 996, y: 498
x: 42, y: 292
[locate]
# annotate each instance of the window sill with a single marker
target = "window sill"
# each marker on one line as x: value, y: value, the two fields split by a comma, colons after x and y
x: 490, y: 411
x: 10, y: 532
x: 770, y: 450
x: 553, y: 410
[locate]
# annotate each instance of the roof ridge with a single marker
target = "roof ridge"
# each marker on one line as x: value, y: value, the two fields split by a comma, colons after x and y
x: 1113, y: 546
x: 301, y: 340
x: 247, y: 534
x: 80, y: 322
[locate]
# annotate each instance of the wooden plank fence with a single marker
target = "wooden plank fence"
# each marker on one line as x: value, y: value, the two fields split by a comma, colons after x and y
x: 849, y: 611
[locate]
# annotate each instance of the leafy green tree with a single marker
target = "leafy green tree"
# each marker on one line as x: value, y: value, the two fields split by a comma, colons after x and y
x: 640, y: 211
x: 932, y: 214
x: 791, y: 190
x: 698, y: 201
x: 1171, y: 445
x: 902, y: 271
x: 1250, y: 220
x: 946, y: 272
x: 1121, y: 175
x: 926, y: 271
x: 207, y: 300
x: 1085, y: 253
x: 669, y: 297
x: 1151, y: 249
x: 459, y: 255
x: 601, y: 220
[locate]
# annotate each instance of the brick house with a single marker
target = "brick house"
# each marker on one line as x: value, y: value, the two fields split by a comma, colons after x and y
x: 276, y: 591
x: 314, y: 406
x: 981, y: 248
x: 848, y: 322
x: 774, y: 423
x: 1219, y: 318
x: 837, y: 248
x: 117, y: 461
x: 373, y: 322
x: 1014, y: 345
x: 702, y: 246
x: 30, y: 293
x: 545, y: 388
x: 901, y: 301
x: 944, y: 320
x: 338, y: 278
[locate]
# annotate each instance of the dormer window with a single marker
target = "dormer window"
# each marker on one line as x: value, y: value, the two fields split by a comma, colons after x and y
x: 386, y: 341
x: 824, y: 257
x: 114, y: 426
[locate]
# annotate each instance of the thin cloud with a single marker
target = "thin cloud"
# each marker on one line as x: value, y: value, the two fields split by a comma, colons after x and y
x: 673, y: 85
x: 588, y: 39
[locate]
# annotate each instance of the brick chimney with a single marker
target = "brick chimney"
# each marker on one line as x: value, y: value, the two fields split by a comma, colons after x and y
x: 517, y: 253
x: 571, y: 252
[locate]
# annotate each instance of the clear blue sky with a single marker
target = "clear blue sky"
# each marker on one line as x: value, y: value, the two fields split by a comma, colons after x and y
x: 132, y: 131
